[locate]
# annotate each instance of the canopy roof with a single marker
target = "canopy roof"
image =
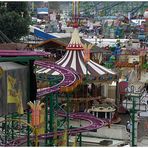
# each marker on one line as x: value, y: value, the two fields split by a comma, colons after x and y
x: 64, y: 42
x: 74, y: 58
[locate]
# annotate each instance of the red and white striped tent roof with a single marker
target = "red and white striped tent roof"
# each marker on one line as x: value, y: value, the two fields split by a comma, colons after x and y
x: 74, y: 58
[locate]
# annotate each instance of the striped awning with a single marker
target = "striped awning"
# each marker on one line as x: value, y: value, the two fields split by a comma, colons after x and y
x: 74, y: 58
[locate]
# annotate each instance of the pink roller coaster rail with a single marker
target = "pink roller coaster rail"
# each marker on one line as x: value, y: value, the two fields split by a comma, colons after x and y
x: 69, y: 77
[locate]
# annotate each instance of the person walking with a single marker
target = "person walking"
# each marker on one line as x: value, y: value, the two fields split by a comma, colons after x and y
x: 128, y: 126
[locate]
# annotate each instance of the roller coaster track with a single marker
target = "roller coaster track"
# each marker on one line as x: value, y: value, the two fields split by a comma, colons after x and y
x: 69, y: 77
x: 94, y: 123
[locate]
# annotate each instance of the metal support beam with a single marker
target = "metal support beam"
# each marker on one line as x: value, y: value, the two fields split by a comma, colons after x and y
x: 51, y: 116
x: 12, y: 129
x: 67, y: 117
x: 20, y: 59
x: 80, y: 141
x: 30, y: 65
x: 133, y: 132
x: 46, y: 118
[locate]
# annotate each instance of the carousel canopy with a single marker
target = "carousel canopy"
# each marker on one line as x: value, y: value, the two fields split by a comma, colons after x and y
x: 74, y: 58
x: 62, y: 43
x: 75, y: 43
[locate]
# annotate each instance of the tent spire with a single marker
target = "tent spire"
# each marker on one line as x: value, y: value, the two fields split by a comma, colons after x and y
x: 75, y: 14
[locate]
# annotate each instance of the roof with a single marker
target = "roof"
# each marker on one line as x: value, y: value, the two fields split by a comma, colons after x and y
x: 75, y: 59
x: 11, y: 66
x: 12, y: 46
x: 19, y: 55
x: 65, y: 41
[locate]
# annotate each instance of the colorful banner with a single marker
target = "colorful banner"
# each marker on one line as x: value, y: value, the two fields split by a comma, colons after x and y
x: 11, y: 90
x: 36, y: 117
x: 19, y: 103
x: 87, y: 51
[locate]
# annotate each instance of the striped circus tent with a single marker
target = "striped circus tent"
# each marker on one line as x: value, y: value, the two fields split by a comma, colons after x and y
x: 74, y: 58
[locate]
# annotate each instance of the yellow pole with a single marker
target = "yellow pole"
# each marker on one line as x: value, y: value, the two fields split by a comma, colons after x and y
x: 36, y: 136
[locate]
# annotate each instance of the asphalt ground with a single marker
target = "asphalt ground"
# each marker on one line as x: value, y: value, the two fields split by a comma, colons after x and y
x: 142, y: 126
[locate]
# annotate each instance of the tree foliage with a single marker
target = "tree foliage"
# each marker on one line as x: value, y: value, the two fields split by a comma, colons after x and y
x: 14, y: 19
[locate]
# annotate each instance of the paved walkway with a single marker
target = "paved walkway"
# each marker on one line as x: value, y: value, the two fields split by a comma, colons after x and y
x: 142, y: 128
x: 144, y: 142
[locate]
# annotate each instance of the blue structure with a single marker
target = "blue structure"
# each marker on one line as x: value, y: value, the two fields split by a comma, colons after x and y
x: 43, y: 35
x: 42, y: 10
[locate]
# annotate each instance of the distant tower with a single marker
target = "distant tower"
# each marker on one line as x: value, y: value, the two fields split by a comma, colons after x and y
x: 75, y: 15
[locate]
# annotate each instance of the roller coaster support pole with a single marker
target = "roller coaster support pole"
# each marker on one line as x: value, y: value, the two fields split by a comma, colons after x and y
x: 5, y: 129
x: 46, y: 118
x: 30, y: 65
x: 133, y: 131
x: 80, y: 136
x: 51, y: 117
x: 12, y: 116
x: 67, y: 118
x: 80, y: 142
x: 28, y: 128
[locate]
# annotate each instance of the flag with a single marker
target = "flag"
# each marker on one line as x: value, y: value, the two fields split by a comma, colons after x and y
x: 19, y: 103
x: 11, y: 91
x: 87, y: 51
x: 36, y: 108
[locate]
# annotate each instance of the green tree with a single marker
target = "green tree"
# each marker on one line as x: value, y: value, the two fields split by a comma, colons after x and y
x: 14, y: 19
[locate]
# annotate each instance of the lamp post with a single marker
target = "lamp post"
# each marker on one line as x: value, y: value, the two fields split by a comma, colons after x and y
x: 133, y: 114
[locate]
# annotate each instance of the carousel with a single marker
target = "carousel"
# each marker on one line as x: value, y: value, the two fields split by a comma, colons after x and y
x: 94, y: 75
